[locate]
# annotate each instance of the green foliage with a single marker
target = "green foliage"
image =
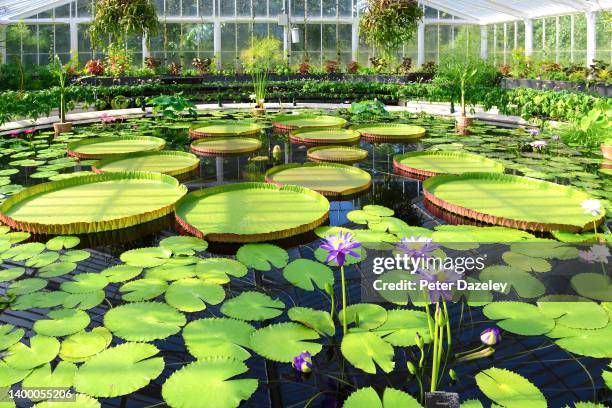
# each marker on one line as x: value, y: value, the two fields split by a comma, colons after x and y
x: 119, y: 19
x: 388, y: 24
x: 259, y: 59
x: 61, y: 72
x: 593, y: 128
x: 368, y: 110
x: 172, y: 106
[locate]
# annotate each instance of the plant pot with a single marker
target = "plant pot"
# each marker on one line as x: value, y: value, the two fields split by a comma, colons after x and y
x: 259, y: 111
x: 607, y: 151
x: 62, y: 127
x: 463, y: 122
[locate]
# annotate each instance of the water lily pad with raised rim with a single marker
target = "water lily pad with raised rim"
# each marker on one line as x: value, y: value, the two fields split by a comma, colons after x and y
x: 432, y: 163
x: 92, y: 203
x: 390, y: 132
x: 291, y: 122
x: 219, y: 213
x: 103, y: 147
x: 326, y: 178
x: 314, y: 136
x: 337, y: 154
x: 172, y: 163
x: 511, y: 201
x: 230, y: 146
x: 225, y: 128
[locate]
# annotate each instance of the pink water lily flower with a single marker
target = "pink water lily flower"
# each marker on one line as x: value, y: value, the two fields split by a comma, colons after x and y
x: 538, y: 144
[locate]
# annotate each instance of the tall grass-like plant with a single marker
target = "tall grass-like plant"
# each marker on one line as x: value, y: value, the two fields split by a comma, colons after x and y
x: 261, y: 58
x: 61, y: 71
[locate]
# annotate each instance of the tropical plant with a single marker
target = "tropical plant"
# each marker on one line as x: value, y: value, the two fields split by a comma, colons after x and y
x: 388, y: 24
x: 368, y: 110
x: 118, y: 60
x: 202, y: 65
x: 592, y: 129
x: 259, y: 60
x: 172, y: 106
x: 60, y: 71
x: 94, y: 67
x: 118, y: 19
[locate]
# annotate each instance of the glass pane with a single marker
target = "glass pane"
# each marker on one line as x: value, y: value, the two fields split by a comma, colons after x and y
x: 173, y: 7
x: 228, y: 8
x: 260, y: 8
x: 206, y: 8
x: 345, y: 8
x: 190, y: 7
x: 276, y: 7
x: 243, y: 8
x: 159, y: 6
x: 314, y: 8
x: 297, y: 8
x: 63, y: 11
x: 62, y: 39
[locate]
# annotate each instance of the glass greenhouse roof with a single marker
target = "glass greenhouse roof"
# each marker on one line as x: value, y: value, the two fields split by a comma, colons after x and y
x: 474, y: 11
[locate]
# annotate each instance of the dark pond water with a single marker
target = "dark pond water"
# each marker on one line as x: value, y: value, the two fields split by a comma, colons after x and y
x: 562, y: 377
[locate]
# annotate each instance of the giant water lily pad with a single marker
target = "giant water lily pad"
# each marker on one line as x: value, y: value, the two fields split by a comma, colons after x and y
x: 392, y: 398
x: 511, y: 201
x: 42, y: 350
x: 102, y: 147
x: 192, y: 294
x: 184, y: 387
x: 225, y: 129
x: 326, y: 178
x: 390, y: 132
x: 145, y: 321
x: 431, y: 163
x: 225, y: 147
x: 171, y: 163
x: 252, y: 306
x: 324, y: 136
x: 305, y: 273
x: 120, y: 370
x: 365, y: 350
x: 519, y: 318
x: 303, y: 121
x: 92, y: 203
x: 509, y: 389
x: 218, y: 337
x: 62, y: 323
x: 219, y: 213
x: 283, y: 341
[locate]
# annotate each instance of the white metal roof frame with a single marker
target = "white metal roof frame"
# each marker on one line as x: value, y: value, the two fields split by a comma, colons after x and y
x: 480, y: 12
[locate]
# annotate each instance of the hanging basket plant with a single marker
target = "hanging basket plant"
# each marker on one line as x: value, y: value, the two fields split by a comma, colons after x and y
x: 388, y: 24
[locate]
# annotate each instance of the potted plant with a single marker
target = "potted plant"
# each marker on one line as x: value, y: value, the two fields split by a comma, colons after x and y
x: 263, y: 55
x: 60, y: 71
x: 464, y: 121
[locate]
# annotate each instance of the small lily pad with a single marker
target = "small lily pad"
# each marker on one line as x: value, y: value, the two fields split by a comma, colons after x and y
x: 252, y: 306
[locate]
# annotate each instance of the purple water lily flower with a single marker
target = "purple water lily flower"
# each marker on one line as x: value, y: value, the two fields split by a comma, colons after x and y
x: 302, y: 362
x: 417, y: 247
x: 490, y: 336
x: 438, y: 278
x: 339, y: 246
x: 538, y: 144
